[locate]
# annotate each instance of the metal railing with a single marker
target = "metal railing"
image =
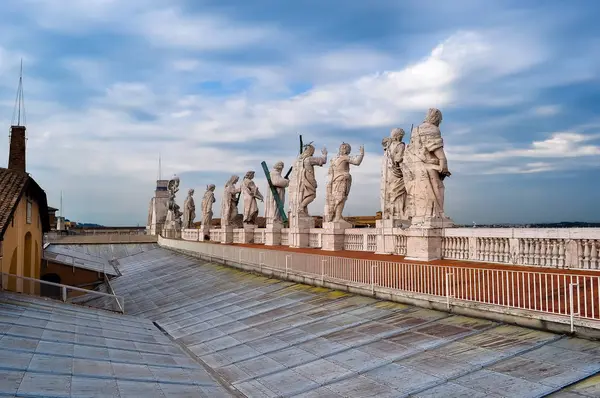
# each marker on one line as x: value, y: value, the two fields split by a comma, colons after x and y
x: 66, y: 293
x: 569, y: 296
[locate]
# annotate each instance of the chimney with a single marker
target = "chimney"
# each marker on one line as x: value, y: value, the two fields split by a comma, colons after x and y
x: 16, y: 155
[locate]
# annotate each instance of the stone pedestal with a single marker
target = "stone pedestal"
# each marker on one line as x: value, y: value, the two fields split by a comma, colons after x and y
x: 300, y: 231
x: 204, y: 233
x: 424, y: 244
x: 273, y: 234
x: 248, y: 233
x: 386, y: 240
x: 227, y: 234
x: 424, y: 238
x: 333, y: 235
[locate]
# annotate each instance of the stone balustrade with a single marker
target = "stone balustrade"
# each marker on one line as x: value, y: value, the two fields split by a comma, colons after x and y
x: 542, y: 247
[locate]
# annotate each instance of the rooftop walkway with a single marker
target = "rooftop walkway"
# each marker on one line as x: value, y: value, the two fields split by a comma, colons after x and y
x: 268, y: 338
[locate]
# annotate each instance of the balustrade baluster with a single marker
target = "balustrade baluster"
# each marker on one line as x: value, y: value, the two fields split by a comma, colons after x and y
x: 594, y: 255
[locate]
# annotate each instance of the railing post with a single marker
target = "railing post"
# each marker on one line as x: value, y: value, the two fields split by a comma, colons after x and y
x: 260, y: 261
x: 373, y: 278
x: 448, y: 295
x: 323, y: 262
x: 572, y: 305
x: 288, y: 257
x: 240, y: 256
x: 63, y: 294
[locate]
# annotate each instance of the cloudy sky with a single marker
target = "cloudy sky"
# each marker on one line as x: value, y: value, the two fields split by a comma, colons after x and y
x: 217, y: 86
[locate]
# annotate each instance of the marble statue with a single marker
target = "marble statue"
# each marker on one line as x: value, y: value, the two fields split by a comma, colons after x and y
x: 424, y: 169
x: 229, y: 202
x: 207, y: 203
x: 189, y: 210
x: 280, y: 183
x: 251, y: 195
x: 393, y: 190
x: 173, y: 221
x: 303, y: 186
x: 339, y: 182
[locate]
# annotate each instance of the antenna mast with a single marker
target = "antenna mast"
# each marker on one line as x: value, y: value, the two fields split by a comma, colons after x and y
x: 159, y: 168
x: 19, y: 102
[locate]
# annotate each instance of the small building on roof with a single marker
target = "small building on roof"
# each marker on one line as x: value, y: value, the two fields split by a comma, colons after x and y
x: 23, y: 219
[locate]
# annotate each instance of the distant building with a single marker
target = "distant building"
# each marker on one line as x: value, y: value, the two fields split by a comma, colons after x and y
x: 157, y: 210
x: 52, y: 217
x: 24, y: 218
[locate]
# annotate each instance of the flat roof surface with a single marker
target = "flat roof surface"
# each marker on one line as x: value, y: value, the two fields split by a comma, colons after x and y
x: 271, y: 338
x: 51, y: 349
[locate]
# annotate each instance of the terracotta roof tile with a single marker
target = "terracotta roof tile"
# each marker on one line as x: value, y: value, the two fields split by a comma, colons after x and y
x: 12, y: 184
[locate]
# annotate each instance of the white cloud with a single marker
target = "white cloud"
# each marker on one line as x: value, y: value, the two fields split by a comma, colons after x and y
x: 547, y: 110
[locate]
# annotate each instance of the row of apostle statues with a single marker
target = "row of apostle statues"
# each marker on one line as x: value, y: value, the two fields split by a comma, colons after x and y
x: 412, y: 187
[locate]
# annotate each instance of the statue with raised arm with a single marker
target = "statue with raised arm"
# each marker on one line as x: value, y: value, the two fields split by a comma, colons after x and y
x: 251, y: 195
x: 189, y: 210
x: 339, y: 182
x: 303, y: 186
x: 229, y: 202
x: 393, y: 189
x: 279, y: 183
x: 207, y: 203
x: 426, y: 166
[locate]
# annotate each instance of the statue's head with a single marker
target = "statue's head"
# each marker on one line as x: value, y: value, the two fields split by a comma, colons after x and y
x: 345, y: 148
x: 397, y: 134
x: 232, y: 180
x: 210, y: 187
x: 249, y: 175
x: 190, y: 192
x: 434, y: 116
x: 309, y: 150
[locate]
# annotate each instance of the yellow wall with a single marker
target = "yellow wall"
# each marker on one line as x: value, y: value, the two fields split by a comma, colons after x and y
x: 18, y: 237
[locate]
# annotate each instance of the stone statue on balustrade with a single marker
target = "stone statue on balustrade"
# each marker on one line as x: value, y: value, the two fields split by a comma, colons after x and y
x: 173, y: 221
x: 251, y: 196
x: 229, y: 202
x: 424, y: 169
x: 303, y: 185
x: 393, y: 191
x: 339, y: 182
x: 189, y: 210
x: 207, y: 203
x: 280, y: 183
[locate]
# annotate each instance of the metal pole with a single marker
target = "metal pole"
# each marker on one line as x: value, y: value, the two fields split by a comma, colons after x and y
x: 64, y: 294
x: 448, y: 275
x: 373, y: 279
x: 323, y: 271
x: 288, y: 257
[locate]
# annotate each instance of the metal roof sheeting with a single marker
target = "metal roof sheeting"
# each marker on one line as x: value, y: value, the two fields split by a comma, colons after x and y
x: 51, y: 349
x: 273, y: 338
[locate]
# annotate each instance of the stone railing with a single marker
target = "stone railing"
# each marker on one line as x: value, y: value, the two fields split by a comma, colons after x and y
x: 360, y: 239
x: 238, y: 235
x: 315, y: 238
x: 259, y: 236
x: 543, y: 247
x: 190, y: 234
x: 215, y: 235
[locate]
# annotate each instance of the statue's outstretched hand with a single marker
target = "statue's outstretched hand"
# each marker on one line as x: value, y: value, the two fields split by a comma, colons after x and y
x: 362, y: 149
x: 324, y: 151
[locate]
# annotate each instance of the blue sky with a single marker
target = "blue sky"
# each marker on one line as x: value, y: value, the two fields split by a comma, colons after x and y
x: 218, y: 86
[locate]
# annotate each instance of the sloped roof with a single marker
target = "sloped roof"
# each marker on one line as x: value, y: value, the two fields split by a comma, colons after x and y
x: 14, y: 184
x: 275, y: 338
x: 74, y: 258
x: 51, y: 349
